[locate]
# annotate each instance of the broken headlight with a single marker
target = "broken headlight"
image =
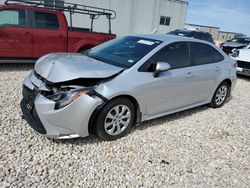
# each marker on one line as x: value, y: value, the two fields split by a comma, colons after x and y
x: 235, y: 53
x: 64, y: 98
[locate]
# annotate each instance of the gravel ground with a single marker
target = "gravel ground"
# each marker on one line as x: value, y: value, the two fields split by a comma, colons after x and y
x: 201, y: 147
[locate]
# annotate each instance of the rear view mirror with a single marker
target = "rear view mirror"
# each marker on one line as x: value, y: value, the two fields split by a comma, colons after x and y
x: 161, y: 67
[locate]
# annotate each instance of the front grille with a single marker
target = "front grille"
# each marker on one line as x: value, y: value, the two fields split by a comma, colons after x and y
x: 28, y: 95
x: 29, y: 110
x: 244, y: 64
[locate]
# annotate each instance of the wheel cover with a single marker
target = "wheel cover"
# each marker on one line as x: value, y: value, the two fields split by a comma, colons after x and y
x: 221, y: 95
x: 117, y: 120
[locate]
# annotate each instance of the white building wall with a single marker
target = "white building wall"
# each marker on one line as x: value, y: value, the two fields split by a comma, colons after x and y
x: 134, y: 16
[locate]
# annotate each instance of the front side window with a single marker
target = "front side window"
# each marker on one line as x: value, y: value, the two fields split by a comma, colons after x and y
x: 46, y: 20
x: 16, y: 18
x: 176, y: 54
x: 204, y: 54
x: 123, y: 52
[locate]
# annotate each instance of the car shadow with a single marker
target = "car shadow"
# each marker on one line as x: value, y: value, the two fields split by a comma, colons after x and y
x: 6, y: 67
x: 243, y: 77
x: 171, y: 117
x: 144, y: 125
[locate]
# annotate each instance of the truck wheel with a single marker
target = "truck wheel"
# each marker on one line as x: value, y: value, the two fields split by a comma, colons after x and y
x: 115, y: 119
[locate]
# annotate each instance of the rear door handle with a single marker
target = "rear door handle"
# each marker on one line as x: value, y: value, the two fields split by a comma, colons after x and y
x: 189, y: 75
x: 217, y: 69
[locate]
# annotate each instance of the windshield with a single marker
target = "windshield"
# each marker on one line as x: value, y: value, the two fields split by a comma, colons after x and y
x: 123, y: 52
x: 240, y: 40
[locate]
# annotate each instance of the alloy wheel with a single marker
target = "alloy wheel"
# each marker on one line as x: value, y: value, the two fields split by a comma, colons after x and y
x: 221, y: 95
x: 117, y: 120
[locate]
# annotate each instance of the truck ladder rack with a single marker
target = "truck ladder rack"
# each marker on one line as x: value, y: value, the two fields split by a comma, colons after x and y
x: 94, y: 12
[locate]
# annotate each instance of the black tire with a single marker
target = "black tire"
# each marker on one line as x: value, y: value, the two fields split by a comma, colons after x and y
x: 99, y: 128
x: 214, y: 103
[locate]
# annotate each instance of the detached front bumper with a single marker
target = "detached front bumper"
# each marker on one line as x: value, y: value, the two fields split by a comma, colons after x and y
x: 243, y: 68
x: 69, y: 122
x: 243, y: 71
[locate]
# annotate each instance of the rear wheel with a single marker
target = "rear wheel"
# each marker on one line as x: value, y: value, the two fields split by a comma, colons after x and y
x: 115, y: 119
x: 220, y: 96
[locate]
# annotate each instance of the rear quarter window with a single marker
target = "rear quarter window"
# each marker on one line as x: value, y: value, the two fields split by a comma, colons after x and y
x: 46, y: 20
x: 204, y: 54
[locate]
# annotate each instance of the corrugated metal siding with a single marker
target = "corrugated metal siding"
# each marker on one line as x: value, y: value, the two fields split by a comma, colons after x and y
x: 135, y: 16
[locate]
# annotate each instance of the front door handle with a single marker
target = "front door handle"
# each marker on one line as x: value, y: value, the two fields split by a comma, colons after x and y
x: 189, y: 75
x: 27, y: 33
x: 61, y: 36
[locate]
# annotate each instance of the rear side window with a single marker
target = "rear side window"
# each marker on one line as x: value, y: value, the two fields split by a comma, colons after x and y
x: 46, y: 20
x: 204, y: 54
x: 16, y: 18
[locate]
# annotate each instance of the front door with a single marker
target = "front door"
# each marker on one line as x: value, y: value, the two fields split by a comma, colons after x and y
x: 15, y: 35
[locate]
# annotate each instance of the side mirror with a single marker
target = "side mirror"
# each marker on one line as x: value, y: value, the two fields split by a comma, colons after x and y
x: 161, y: 67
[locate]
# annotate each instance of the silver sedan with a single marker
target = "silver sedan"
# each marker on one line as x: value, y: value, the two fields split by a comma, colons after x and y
x: 116, y: 85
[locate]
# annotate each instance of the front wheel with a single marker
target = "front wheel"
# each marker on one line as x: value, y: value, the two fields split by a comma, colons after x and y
x: 220, y: 96
x: 115, y: 119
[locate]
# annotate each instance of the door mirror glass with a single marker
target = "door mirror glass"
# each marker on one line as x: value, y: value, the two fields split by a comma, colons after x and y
x: 161, y: 67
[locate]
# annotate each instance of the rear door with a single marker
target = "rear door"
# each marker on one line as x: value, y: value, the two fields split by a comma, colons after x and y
x: 48, y: 35
x: 207, y: 65
x: 15, y: 34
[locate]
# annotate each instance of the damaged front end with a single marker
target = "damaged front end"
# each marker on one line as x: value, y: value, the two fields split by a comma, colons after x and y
x: 64, y: 93
x: 59, y: 96
x: 60, y: 110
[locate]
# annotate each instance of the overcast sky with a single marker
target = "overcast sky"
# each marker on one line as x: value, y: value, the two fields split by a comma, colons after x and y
x: 229, y: 15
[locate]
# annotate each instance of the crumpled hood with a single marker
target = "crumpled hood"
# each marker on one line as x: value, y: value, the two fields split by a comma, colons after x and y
x: 233, y: 44
x: 60, y: 67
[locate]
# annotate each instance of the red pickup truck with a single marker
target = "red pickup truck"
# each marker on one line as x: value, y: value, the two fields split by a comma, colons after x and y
x: 28, y: 31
